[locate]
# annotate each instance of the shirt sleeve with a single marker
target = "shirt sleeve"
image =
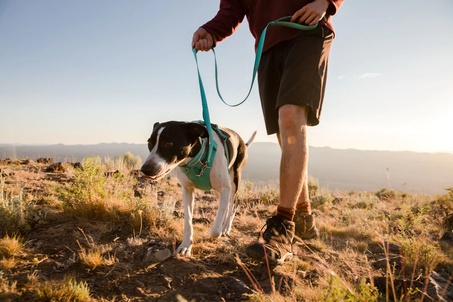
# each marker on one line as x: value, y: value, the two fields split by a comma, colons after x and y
x: 334, y: 6
x: 228, y: 18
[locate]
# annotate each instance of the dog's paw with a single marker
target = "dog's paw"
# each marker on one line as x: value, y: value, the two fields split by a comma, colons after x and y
x: 184, y: 249
x: 226, y: 228
x: 214, y: 233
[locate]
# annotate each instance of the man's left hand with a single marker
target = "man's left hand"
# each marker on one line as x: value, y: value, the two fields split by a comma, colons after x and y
x: 311, y: 13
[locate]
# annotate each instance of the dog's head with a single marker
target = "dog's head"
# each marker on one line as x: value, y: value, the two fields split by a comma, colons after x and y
x: 170, y: 145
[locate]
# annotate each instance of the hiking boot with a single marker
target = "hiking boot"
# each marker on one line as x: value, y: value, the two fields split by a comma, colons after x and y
x: 275, y: 243
x: 305, y: 226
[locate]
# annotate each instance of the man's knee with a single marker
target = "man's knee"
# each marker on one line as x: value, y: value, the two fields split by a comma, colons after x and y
x: 291, y: 116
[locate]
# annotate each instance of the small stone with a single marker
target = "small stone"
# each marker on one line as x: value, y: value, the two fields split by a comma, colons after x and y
x: 162, y: 255
x: 447, y: 237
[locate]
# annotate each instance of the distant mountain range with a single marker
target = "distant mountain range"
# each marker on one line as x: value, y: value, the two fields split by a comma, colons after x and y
x: 338, y: 170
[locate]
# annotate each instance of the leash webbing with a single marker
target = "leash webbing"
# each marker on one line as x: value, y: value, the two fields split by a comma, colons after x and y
x: 204, y: 104
x: 259, y: 51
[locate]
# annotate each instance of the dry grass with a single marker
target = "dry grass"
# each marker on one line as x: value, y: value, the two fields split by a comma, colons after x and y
x: 11, y: 246
x: 104, y: 231
x: 67, y: 290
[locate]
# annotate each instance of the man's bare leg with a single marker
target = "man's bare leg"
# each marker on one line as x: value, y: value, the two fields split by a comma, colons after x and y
x: 303, y: 202
x: 276, y: 242
x: 294, y: 161
x: 294, y: 198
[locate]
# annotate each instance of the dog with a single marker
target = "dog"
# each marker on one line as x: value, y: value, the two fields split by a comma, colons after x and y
x: 174, y: 144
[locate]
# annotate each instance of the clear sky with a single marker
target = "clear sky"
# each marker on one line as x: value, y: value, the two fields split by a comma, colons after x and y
x: 87, y: 72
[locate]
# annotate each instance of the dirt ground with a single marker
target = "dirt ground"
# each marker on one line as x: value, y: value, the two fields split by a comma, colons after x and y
x: 54, y: 242
x: 141, y: 265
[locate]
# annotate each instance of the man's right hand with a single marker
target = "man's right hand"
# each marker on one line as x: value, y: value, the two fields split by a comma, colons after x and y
x: 202, y: 40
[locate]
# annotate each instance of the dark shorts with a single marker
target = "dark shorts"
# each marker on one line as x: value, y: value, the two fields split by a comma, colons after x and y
x: 295, y: 72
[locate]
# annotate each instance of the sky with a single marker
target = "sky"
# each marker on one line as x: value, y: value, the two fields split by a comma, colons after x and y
x: 89, y: 72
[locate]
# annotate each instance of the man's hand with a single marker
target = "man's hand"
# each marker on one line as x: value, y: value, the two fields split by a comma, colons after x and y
x: 202, y: 40
x: 311, y: 13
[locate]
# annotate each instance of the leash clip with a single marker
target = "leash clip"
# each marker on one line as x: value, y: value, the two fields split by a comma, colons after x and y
x: 203, y: 168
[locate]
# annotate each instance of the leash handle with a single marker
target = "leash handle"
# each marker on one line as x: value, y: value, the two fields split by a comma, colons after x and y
x: 259, y: 51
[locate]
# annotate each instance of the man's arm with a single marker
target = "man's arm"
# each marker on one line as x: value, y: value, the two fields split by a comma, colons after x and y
x: 313, y: 12
x: 228, y: 18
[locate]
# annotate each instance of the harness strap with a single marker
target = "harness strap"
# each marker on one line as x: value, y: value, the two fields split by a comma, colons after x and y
x: 199, y: 168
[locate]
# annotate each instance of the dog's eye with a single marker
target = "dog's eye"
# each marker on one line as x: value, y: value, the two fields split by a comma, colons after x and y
x: 168, y: 144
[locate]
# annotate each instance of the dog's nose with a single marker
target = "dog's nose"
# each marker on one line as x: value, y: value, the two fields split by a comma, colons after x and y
x: 146, y: 169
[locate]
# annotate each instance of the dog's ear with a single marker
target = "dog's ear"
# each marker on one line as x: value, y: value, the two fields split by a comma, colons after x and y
x: 155, y: 126
x: 195, y: 130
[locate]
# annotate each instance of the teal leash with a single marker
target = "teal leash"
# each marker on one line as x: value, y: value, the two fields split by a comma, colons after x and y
x: 212, y: 145
x: 204, y: 103
x: 259, y: 51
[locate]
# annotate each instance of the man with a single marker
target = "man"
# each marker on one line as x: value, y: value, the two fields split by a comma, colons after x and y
x: 292, y: 80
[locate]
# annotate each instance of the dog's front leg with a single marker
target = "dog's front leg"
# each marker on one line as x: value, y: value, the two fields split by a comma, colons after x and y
x: 185, y: 248
x: 224, y: 200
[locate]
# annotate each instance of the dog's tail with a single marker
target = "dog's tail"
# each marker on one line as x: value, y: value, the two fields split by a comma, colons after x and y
x: 250, y: 140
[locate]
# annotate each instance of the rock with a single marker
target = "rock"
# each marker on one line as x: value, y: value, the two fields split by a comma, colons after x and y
x: 149, y: 258
x: 5, y: 172
x: 381, y: 261
x: 447, y: 237
x: 443, y: 292
x: 337, y: 200
x: 77, y: 165
x: 448, y: 223
x: 402, y: 286
x: 45, y: 160
x: 162, y: 255
x: 56, y: 167
x: 438, y: 289
x: 377, y: 248
x: 238, y: 286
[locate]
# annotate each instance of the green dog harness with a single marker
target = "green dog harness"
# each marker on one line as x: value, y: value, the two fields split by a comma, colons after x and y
x: 199, y: 168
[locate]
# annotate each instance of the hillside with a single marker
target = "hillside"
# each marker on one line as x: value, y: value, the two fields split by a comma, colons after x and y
x: 71, y: 234
x: 336, y: 169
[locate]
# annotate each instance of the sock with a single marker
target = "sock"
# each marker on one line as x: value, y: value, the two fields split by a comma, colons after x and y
x: 286, y: 213
x: 304, y: 208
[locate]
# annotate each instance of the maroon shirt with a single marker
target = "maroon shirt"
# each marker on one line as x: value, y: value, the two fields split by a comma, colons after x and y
x: 259, y: 13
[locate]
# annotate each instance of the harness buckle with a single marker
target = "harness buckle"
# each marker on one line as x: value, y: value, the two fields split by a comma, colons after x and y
x: 203, y: 168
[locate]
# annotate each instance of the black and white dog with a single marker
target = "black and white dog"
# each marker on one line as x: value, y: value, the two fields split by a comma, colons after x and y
x: 174, y: 144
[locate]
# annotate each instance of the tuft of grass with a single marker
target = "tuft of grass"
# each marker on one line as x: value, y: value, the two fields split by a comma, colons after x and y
x: 91, y: 258
x: 11, y: 246
x: 7, y: 263
x: 15, y: 209
x: 66, y: 290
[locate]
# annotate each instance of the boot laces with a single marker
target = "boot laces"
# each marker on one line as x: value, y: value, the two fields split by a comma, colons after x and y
x: 274, y: 228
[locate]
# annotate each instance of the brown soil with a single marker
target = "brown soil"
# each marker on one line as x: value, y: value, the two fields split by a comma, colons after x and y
x: 218, y: 270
